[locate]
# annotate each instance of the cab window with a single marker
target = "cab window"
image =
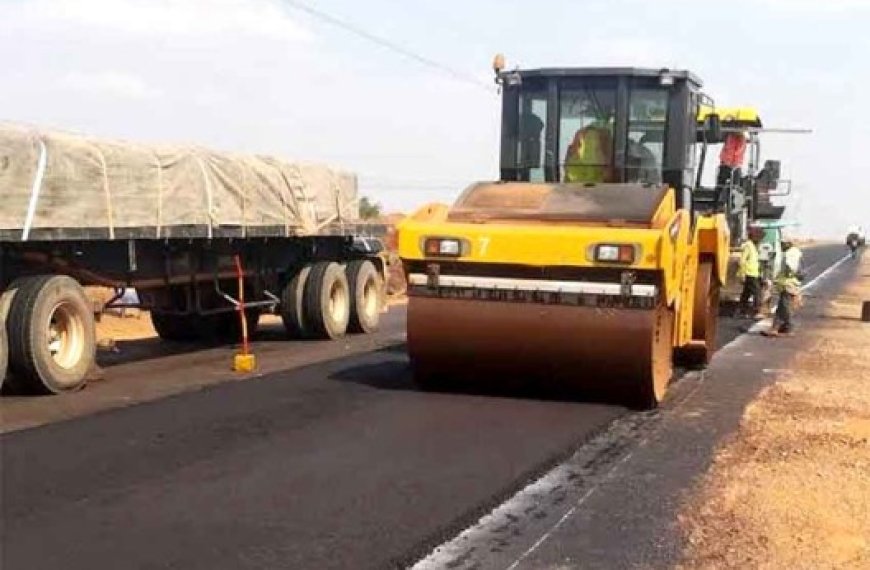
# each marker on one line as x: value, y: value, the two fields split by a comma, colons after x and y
x: 531, y: 142
x: 647, y: 122
x: 586, y: 123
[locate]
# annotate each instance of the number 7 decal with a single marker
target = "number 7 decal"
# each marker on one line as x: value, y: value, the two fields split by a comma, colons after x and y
x: 484, y: 245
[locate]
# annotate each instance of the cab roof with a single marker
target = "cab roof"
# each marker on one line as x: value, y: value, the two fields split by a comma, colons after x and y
x: 609, y: 72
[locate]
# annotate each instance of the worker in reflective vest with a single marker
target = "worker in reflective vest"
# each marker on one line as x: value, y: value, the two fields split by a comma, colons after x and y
x: 788, y: 285
x: 731, y: 159
x: 749, y: 270
x: 589, y: 156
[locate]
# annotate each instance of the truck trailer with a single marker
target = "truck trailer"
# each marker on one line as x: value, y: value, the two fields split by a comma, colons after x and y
x: 182, y: 226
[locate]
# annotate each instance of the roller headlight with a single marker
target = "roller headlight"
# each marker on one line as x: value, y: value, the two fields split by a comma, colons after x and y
x: 615, y: 253
x: 442, y: 247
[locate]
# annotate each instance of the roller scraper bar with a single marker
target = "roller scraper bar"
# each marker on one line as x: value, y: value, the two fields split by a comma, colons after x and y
x: 533, y: 285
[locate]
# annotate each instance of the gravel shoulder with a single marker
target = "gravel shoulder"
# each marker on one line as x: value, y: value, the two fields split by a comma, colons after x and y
x: 791, y: 488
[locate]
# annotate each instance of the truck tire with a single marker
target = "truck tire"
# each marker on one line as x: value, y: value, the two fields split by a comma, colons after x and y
x: 366, y: 294
x: 292, y: 303
x: 327, y: 300
x: 175, y: 328
x: 7, y: 385
x: 52, y: 343
x: 4, y: 353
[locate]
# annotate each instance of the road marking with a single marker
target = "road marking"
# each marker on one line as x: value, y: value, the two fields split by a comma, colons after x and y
x: 825, y: 273
x: 547, y: 534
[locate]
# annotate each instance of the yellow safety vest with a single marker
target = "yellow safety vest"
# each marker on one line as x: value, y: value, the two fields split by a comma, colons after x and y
x: 588, y: 157
x: 749, y: 265
x: 787, y: 280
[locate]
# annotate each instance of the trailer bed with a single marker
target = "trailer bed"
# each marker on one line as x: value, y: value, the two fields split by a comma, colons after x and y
x: 62, y: 186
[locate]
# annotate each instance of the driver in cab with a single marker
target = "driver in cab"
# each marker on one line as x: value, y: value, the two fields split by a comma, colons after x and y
x: 590, y: 155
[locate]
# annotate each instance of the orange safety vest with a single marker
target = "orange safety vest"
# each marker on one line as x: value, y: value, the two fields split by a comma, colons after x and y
x: 733, y: 150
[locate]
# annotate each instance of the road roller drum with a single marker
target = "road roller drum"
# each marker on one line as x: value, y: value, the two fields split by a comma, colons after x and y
x: 614, y: 353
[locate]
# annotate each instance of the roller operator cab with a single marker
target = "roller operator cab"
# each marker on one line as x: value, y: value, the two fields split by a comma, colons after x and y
x: 585, y: 265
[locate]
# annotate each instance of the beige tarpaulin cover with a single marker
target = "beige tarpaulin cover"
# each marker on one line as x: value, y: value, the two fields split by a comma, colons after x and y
x: 55, y: 180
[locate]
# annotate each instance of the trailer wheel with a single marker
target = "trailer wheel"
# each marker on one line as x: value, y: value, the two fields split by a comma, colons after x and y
x: 292, y: 302
x: 327, y: 300
x: 175, y: 328
x: 7, y: 385
x: 366, y: 291
x: 52, y: 342
x: 4, y: 352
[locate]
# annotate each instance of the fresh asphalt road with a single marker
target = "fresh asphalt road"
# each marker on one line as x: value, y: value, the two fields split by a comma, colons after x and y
x: 341, y: 464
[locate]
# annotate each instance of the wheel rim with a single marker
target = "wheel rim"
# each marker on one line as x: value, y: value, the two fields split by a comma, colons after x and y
x: 370, y: 298
x: 66, y: 336
x: 339, y: 307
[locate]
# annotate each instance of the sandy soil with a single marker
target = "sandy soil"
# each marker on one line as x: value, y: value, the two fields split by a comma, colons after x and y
x: 792, y: 488
x: 132, y: 327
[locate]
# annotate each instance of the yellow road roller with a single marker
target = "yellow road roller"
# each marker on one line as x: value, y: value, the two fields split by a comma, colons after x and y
x: 588, y: 264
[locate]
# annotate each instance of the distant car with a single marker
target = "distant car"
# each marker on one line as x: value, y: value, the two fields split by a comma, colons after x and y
x: 857, y: 234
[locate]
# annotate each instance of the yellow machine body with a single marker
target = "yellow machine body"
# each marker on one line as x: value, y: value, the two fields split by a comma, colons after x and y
x: 522, y: 284
x: 593, y: 262
x: 745, y: 117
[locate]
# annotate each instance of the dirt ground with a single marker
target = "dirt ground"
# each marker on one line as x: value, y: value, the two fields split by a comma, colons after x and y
x: 133, y: 326
x: 792, y: 488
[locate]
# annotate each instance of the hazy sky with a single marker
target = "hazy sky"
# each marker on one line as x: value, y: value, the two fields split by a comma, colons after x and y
x: 261, y: 76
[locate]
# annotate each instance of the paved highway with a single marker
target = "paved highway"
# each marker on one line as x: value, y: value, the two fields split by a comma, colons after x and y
x: 339, y: 464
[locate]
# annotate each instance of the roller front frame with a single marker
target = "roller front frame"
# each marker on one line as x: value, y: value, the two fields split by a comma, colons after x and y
x: 524, y: 301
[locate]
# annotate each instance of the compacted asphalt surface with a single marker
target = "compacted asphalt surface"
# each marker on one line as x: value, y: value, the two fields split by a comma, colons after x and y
x: 342, y: 463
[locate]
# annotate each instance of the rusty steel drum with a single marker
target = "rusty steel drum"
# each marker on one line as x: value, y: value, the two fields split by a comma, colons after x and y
x: 621, y: 352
